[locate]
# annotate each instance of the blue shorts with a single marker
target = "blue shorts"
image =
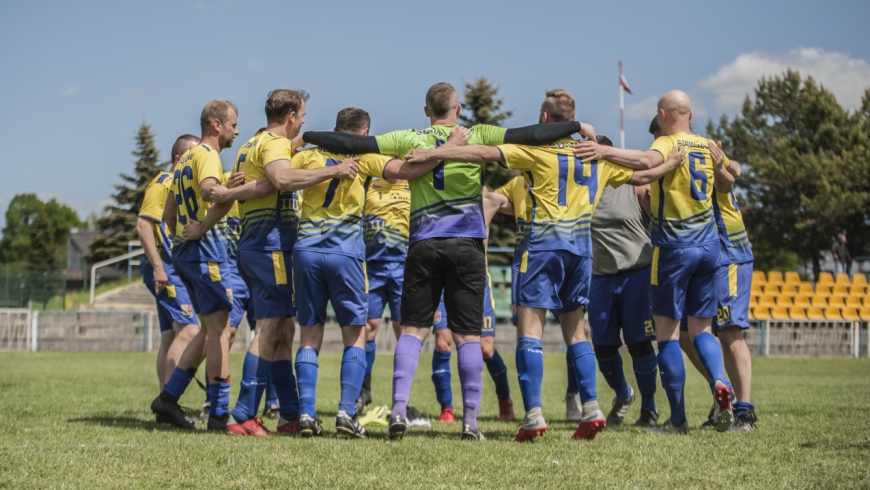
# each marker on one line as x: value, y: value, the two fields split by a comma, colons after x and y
x: 554, y: 280
x: 339, y: 279
x: 683, y: 281
x: 735, y: 284
x: 173, y: 303
x: 209, y: 283
x: 488, y: 310
x: 440, y: 320
x: 269, y: 275
x: 242, y: 304
x: 620, y: 302
x: 385, y: 288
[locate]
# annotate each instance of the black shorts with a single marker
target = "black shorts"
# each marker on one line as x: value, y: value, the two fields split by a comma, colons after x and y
x: 456, y: 266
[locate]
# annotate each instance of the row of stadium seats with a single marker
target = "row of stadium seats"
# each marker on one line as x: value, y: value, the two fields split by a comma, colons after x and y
x: 812, y: 313
x: 791, y: 277
x: 802, y: 301
x: 807, y: 288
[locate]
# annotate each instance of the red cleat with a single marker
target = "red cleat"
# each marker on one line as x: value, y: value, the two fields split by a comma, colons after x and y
x: 506, y: 410
x: 288, y: 427
x: 529, y: 434
x: 588, y: 429
x: 447, y: 416
x: 251, y: 427
x: 725, y: 417
x: 533, y: 426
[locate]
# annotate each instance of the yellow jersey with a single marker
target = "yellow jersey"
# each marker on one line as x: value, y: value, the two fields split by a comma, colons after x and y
x: 152, y: 207
x: 733, y: 239
x: 231, y: 225
x: 387, y: 214
x: 562, y: 194
x: 196, y: 165
x: 516, y: 192
x: 682, y: 200
x: 332, y: 211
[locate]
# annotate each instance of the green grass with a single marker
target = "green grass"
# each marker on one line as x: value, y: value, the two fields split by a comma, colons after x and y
x: 82, y: 421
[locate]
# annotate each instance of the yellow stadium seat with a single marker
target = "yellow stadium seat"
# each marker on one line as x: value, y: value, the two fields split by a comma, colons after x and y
x: 826, y: 278
x: 859, y: 290
x: 815, y: 313
x: 865, y: 313
x: 766, y: 301
x: 770, y: 289
x: 806, y: 288
x: 819, y: 301
x: 753, y: 301
x: 758, y: 277
x: 851, y: 315
x: 780, y: 313
x: 837, y: 302
x: 792, y: 277
x: 784, y: 301
x: 796, y: 313
x: 756, y: 289
x: 775, y: 277
x: 844, y: 279
x: 841, y: 291
x: 761, y: 313
x: 790, y: 290
x: 833, y: 313
x: 802, y: 301
x: 855, y: 302
x: 859, y: 280
x: 823, y: 290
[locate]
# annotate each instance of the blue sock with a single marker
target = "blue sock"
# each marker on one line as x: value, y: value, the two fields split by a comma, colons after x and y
x: 353, y: 370
x: 612, y: 371
x: 207, y: 397
x: 742, y: 407
x: 583, y: 359
x: 255, y: 373
x: 178, y: 383
x: 530, y: 367
x: 645, y: 373
x: 271, y: 393
x: 285, y: 389
x: 220, y: 399
x: 673, y: 373
x: 572, y: 379
x: 498, y: 372
x: 306, y: 373
x: 371, y: 350
x: 441, y: 378
x: 710, y: 354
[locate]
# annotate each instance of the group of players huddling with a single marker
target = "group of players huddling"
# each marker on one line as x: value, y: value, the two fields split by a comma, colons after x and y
x: 401, y: 219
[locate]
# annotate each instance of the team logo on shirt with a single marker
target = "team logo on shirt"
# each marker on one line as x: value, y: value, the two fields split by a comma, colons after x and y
x: 437, y: 316
x: 187, y: 310
x: 229, y: 294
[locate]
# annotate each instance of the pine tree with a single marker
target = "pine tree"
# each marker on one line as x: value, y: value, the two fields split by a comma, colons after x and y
x: 117, y: 225
x: 483, y: 106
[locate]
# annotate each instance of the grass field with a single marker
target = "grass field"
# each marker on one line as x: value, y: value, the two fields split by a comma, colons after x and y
x: 82, y: 421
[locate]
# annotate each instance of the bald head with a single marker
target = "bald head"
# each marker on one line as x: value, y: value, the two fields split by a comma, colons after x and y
x: 182, y: 144
x: 675, y: 112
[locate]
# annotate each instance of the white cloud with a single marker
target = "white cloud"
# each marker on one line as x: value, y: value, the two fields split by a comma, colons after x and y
x: 843, y: 75
x: 644, y: 109
x: 71, y: 90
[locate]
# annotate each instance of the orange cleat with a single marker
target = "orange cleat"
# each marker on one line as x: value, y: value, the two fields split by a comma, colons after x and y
x: 447, y: 416
x: 251, y: 427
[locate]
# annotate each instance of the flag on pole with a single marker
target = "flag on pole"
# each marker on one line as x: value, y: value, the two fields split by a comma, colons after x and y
x: 623, y: 83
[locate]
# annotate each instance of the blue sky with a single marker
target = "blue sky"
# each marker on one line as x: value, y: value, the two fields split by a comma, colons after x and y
x: 79, y: 77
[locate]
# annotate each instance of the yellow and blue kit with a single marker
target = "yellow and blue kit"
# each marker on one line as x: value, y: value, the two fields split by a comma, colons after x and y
x: 734, y: 276
x: 387, y: 211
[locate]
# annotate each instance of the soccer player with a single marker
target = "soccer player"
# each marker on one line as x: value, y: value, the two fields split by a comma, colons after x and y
x: 174, y: 310
x: 329, y: 266
x: 685, y: 254
x: 619, y: 300
x: 269, y: 209
x: 446, y: 244
x: 555, y: 264
x: 202, y: 266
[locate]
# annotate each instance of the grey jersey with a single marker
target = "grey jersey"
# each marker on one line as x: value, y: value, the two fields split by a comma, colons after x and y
x: 620, y: 233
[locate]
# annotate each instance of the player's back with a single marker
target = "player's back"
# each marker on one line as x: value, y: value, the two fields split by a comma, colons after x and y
x: 620, y: 232
x: 681, y: 201
x: 195, y: 166
x: 733, y: 239
x: 153, y: 204
x: 387, y: 212
x: 562, y: 194
x: 517, y: 192
x: 231, y: 225
x: 331, y: 214
x: 446, y: 202
x: 270, y: 222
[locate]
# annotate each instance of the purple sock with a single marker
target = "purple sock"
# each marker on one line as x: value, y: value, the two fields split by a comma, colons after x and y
x: 404, y: 368
x: 470, y: 362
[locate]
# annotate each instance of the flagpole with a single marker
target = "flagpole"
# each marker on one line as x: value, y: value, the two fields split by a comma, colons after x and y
x: 621, y: 110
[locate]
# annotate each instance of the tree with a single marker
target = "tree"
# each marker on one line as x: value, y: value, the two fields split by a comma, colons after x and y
x: 35, y: 232
x: 117, y: 225
x: 806, y: 169
x: 483, y: 106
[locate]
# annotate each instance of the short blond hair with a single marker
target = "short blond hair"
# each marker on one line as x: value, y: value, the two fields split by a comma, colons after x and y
x: 559, y: 104
x: 216, y: 109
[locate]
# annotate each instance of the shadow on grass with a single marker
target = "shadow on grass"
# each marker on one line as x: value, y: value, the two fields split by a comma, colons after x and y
x: 124, y: 422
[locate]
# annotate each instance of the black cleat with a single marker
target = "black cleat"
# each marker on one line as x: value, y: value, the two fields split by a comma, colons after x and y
x: 270, y: 411
x: 619, y: 409
x: 218, y: 423
x: 309, y: 426
x: 398, y: 427
x: 744, y: 422
x: 349, y: 425
x: 469, y: 434
x: 710, y: 423
x: 169, y: 412
x: 647, y: 419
